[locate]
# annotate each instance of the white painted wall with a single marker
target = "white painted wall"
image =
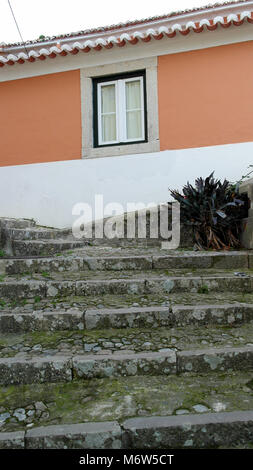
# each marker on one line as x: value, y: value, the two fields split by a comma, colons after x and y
x: 48, y: 191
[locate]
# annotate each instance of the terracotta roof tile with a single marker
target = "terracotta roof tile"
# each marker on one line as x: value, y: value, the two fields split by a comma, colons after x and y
x: 197, y: 20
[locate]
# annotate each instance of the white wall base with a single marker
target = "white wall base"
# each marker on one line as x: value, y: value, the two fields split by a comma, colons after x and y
x: 47, y: 192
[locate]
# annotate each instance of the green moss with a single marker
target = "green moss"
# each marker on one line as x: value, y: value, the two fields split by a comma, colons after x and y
x: 45, y: 274
x: 203, y: 289
x: 109, y: 399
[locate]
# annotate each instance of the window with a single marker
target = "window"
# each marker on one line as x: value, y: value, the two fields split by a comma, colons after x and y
x: 145, y: 70
x: 120, y: 109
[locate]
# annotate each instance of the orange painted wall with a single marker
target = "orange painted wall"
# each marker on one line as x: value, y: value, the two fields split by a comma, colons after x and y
x: 40, y: 119
x: 206, y: 97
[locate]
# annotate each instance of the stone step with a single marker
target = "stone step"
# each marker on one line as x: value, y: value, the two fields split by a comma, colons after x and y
x: 90, y: 258
x: 43, y: 247
x: 187, y: 411
x: 193, y: 431
x: 133, y: 317
x: 219, y: 430
x: 7, y: 223
x: 66, y: 304
x: 131, y: 340
x: 84, y: 284
x: 36, y: 367
x: 37, y: 233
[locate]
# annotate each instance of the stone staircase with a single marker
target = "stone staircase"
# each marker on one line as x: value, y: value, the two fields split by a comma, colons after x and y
x: 124, y: 346
x: 22, y: 238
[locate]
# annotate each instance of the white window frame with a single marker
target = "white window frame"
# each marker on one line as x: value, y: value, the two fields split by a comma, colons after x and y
x: 120, y: 98
x: 99, y: 112
x: 152, y: 144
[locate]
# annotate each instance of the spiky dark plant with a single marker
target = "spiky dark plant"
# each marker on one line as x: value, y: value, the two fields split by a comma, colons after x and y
x: 214, y: 210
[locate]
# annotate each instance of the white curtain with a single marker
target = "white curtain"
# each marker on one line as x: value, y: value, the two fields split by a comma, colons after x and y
x: 133, y: 110
x: 108, y: 113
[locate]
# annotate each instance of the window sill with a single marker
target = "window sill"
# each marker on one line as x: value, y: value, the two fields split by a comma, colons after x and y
x: 117, y: 150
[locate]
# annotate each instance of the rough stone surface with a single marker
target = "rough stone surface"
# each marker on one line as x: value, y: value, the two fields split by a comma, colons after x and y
x: 129, y: 259
x: 215, y: 360
x: 43, y: 247
x: 211, y: 314
x: 155, y: 332
x: 34, y: 370
x: 73, y: 319
x: 105, y: 435
x: 117, y: 399
x: 125, y: 365
x: 128, y: 318
x: 12, y: 440
x: 191, y: 431
x: 22, y: 289
x: 141, y: 284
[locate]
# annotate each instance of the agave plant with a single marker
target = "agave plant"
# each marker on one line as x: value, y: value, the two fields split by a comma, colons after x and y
x: 214, y: 210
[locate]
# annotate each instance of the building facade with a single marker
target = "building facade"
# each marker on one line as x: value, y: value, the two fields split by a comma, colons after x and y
x: 125, y: 111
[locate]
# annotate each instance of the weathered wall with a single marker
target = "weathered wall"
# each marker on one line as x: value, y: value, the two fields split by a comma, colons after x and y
x: 40, y: 119
x: 205, y: 97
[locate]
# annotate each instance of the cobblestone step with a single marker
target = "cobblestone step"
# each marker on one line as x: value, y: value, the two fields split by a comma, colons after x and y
x: 90, y: 258
x: 43, y: 247
x: 144, y: 283
x: 31, y: 368
x: 125, y: 340
x: 180, y: 411
x: 133, y: 317
x: 114, y: 301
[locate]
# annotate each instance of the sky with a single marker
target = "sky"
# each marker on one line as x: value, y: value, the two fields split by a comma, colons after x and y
x: 53, y: 17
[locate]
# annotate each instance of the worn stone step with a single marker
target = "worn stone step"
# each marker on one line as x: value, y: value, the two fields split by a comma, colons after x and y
x: 124, y: 340
x: 133, y: 317
x: 90, y: 258
x: 7, y: 222
x: 163, y: 363
x: 209, y: 431
x: 14, y: 370
x: 47, y: 412
x: 43, y: 247
x: 118, y: 301
x: 176, y: 315
x: 27, y: 368
x: 37, y: 233
x: 143, y: 283
x: 193, y: 431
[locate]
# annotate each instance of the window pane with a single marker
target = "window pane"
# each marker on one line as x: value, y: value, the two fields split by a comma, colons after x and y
x: 133, y: 95
x: 134, y: 124
x: 108, y: 99
x: 109, y: 127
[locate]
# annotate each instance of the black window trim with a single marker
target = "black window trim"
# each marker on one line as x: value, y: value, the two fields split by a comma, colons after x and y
x: 107, y: 78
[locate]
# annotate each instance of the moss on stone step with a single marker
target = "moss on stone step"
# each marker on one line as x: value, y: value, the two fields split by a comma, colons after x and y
x: 118, y: 399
